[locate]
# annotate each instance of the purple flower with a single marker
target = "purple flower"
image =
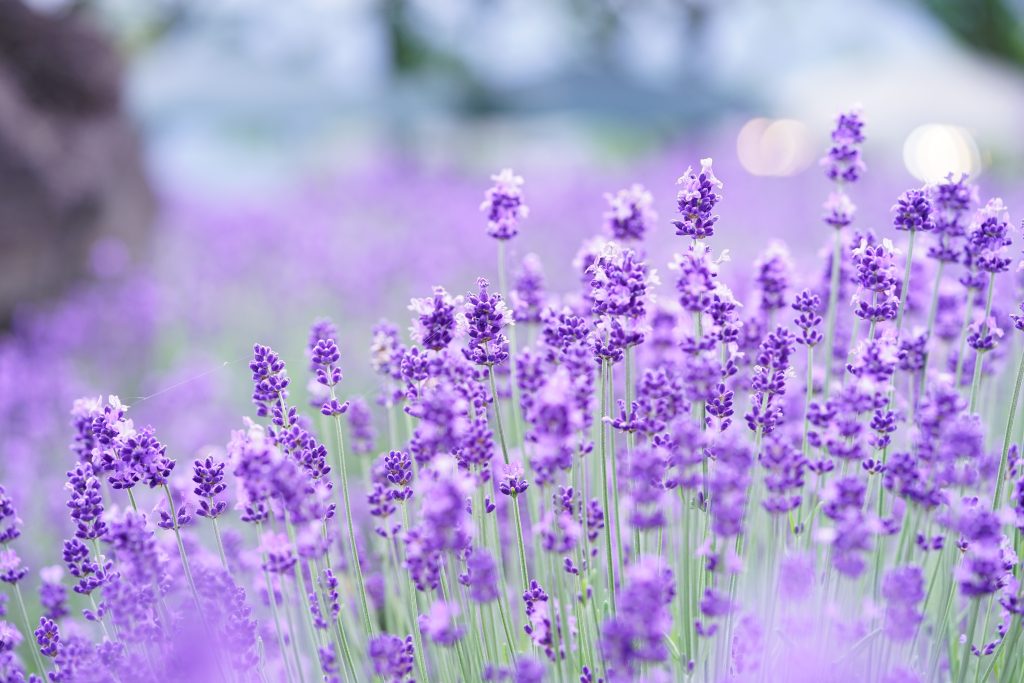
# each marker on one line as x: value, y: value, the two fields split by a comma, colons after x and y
x: 903, y: 589
x: 47, y: 637
x: 913, y: 211
x: 696, y: 281
x: 270, y: 381
x: 53, y: 596
x: 773, y: 269
x: 808, y: 305
x: 635, y: 636
x: 439, y: 623
x: 512, y: 482
x: 629, y: 215
x: 360, y: 422
x: 621, y: 285
x: 208, y: 476
x: 485, y: 318
x: 11, y: 569
x: 696, y: 201
x: 987, y: 240
x: 503, y: 204
x: 324, y: 359
x: 482, y: 576
x: 392, y: 657
x: 876, y: 300
x: 10, y: 524
x: 528, y: 297
x: 843, y: 162
x: 86, y: 502
x: 839, y: 210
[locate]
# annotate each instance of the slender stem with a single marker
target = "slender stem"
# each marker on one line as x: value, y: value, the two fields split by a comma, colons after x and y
x: 604, y: 482
x: 965, y: 659
x: 497, y: 413
x: 833, y: 304
x: 979, y: 353
x: 354, y: 549
x: 272, y: 598
x: 906, y: 283
x: 29, y: 633
x: 1009, y: 434
x: 522, y: 546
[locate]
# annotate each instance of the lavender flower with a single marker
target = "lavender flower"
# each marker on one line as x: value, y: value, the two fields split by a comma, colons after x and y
x: 485, y: 318
x: 843, y: 163
x: 696, y: 202
x: 503, y: 204
x: 392, y: 657
x: 629, y: 215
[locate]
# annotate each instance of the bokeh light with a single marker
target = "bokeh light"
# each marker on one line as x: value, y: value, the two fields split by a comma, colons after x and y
x: 933, y: 151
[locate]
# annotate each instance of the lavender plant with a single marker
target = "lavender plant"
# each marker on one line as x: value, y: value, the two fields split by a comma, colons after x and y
x: 563, y: 491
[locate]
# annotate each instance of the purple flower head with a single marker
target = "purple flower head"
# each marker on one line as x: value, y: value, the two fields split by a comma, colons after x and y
x: 696, y: 200
x: 47, y: 637
x: 53, y: 596
x: 485, y: 317
x: 133, y: 546
x: 512, y: 482
x: 913, y: 211
x: 10, y: 523
x: 445, y: 522
x: 360, y: 423
x: 987, y: 240
x: 439, y: 624
x: 208, y: 476
x: 796, y: 576
x: 839, y: 210
x: 622, y: 285
x: 11, y: 569
x: 843, y: 162
x: 398, y: 469
x: 270, y: 381
x: 774, y: 270
x: 528, y: 297
x: 635, y: 636
x: 768, y: 380
x: 784, y: 478
x: 324, y: 359
x: 875, y: 360
x: 903, y: 589
x: 434, y: 326
x: 141, y: 457
x: 503, y: 204
x: 728, y: 483
x: 482, y: 576
x: 386, y: 351
x: 392, y: 657
x: 808, y: 306
x: 85, y: 502
x: 1018, y: 320
x: 629, y: 215
x: 10, y: 638
x: 696, y: 280
x: 321, y: 330
x: 876, y: 299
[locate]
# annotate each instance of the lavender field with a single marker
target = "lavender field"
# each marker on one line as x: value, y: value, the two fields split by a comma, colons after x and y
x: 622, y: 346
x: 644, y: 474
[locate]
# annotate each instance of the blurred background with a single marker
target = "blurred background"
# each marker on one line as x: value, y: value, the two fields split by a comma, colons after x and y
x: 181, y: 178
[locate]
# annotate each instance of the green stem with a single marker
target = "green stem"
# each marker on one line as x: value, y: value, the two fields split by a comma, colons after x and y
x: 833, y: 304
x: 356, y: 568
x: 1009, y: 434
x: 497, y: 413
x: 906, y: 283
x: 972, y: 622
x: 29, y: 633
